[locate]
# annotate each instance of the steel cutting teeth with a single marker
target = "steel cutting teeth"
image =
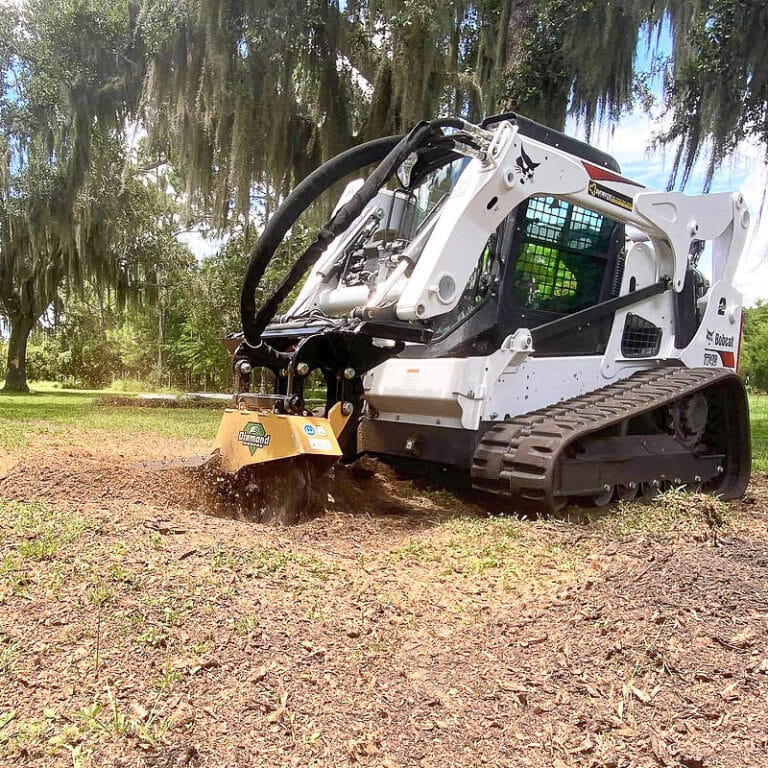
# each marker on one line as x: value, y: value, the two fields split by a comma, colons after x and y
x: 284, y: 492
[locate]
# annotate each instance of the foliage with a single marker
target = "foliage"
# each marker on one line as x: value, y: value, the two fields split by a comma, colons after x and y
x: 68, y: 87
x: 717, y: 80
x: 251, y: 96
x: 754, y: 347
x: 574, y: 57
x: 758, y: 417
x: 248, y: 97
x: 581, y: 58
x: 193, y: 342
x: 80, y: 351
x: 43, y: 361
x: 92, y: 343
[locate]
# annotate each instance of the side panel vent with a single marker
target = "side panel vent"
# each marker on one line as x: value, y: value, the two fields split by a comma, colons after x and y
x: 641, y: 338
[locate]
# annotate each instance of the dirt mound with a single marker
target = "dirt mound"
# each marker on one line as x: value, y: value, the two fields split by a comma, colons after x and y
x: 7, y: 463
x: 370, y: 487
x: 140, y: 402
x: 77, y: 477
x: 160, y: 401
x: 281, y: 493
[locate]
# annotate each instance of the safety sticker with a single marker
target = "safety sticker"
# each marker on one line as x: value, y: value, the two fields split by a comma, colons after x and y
x: 411, y: 377
x: 320, y: 445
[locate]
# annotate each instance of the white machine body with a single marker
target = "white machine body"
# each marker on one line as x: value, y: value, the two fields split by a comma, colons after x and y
x: 423, y: 276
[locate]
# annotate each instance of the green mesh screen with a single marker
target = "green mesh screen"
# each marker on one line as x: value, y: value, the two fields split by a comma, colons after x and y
x: 563, y: 256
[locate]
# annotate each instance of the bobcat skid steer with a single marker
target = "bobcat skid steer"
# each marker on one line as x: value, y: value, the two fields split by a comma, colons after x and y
x: 498, y: 299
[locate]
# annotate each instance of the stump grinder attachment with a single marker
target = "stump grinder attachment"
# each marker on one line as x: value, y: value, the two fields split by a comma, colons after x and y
x: 252, y: 436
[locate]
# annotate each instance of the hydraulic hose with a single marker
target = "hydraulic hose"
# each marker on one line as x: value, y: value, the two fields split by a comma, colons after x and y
x: 389, y: 152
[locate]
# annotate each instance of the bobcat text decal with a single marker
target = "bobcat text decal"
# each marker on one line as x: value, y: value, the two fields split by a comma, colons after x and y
x: 720, y: 339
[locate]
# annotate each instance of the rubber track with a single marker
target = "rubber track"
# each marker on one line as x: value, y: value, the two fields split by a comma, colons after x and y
x: 520, y: 456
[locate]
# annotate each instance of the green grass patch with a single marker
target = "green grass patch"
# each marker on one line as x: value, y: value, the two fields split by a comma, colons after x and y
x: 508, y: 547
x: 668, y: 514
x: 277, y: 565
x: 34, y: 539
x: 33, y: 520
x: 758, y: 412
x: 29, y: 416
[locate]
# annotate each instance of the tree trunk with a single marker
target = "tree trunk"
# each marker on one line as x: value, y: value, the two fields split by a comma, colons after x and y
x: 542, y: 98
x: 160, y: 339
x: 519, y: 16
x: 16, y: 370
x: 495, y: 77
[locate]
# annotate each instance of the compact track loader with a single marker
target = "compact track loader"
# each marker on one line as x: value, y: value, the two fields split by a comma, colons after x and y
x: 498, y: 299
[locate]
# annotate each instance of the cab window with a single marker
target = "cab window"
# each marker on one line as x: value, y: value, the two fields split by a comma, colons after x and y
x: 563, y: 254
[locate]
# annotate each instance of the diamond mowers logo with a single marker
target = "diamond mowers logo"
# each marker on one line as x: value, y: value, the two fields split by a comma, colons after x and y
x: 253, y: 436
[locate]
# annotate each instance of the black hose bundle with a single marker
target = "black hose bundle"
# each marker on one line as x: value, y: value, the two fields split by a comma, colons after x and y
x: 390, y: 152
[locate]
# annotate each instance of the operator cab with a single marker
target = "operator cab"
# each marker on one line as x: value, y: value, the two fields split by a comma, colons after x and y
x: 548, y: 259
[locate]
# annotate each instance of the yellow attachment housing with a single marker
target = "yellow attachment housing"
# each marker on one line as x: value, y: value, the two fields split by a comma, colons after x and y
x: 248, y: 437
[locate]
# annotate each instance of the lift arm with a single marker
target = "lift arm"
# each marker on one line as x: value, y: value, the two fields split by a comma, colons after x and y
x: 513, y: 168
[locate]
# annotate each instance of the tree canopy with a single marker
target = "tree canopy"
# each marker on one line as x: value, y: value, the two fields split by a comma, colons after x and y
x: 716, y: 80
x: 246, y: 96
x: 67, y: 210
x: 239, y: 99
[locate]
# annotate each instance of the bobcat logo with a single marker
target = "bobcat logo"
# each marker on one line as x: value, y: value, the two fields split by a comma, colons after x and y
x: 710, y: 336
x: 526, y: 165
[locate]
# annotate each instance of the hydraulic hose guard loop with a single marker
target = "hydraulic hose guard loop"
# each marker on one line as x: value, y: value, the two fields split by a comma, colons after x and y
x: 390, y: 151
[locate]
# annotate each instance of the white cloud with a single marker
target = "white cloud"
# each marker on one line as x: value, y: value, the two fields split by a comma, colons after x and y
x: 201, y: 245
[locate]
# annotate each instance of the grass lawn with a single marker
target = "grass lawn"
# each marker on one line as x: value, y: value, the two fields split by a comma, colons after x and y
x: 54, y: 412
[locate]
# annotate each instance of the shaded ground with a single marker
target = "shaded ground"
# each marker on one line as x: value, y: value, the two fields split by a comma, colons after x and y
x: 404, y: 627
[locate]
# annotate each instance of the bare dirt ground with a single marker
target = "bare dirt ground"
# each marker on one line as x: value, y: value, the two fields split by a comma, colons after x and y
x: 405, y: 626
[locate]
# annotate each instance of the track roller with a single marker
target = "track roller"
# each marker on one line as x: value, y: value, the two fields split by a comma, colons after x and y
x: 628, y: 492
x: 649, y: 491
x: 603, y: 499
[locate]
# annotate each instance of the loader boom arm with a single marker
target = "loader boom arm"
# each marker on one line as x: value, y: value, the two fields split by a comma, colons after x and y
x: 515, y: 168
